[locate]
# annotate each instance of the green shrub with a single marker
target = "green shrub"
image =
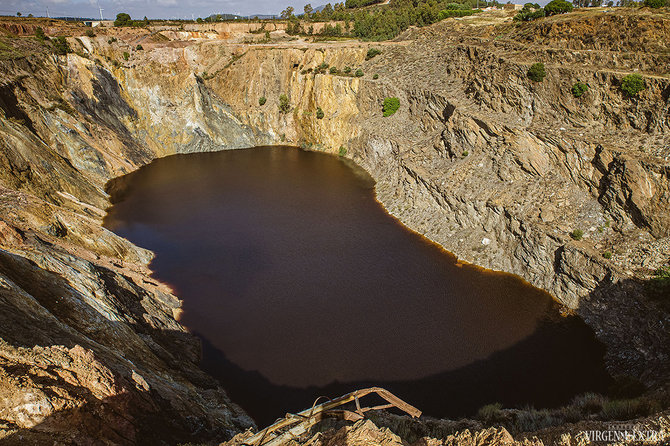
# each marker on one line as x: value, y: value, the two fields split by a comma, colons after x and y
x: 111, y: 40
x: 557, y: 7
x: 536, y: 72
x: 372, y: 52
x: 532, y: 420
x: 343, y: 151
x: 579, y: 89
x: 465, y: 153
x: 446, y: 13
x: 490, y: 413
x: 528, y: 15
x: 347, y: 70
x: 628, y: 409
x: 376, y: 76
x: 333, y: 70
x: 632, y: 84
x: 360, y: 3
x: 89, y: 33
x: 139, y: 47
x: 126, y: 55
x: 455, y: 6
x: 262, y: 100
x: 391, y: 105
x: 39, y: 33
x: 607, y: 255
x: 60, y: 45
x: 654, y: 3
x: 359, y: 73
x: 577, y: 234
x: 319, y: 113
x: 284, y: 106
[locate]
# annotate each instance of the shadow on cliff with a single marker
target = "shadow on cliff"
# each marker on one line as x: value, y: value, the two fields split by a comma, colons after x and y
x: 108, y: 421
x: 99, y: 379
x: 510, y: 377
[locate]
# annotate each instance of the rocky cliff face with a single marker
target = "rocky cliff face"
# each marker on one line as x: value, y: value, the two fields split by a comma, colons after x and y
x: 494, y: 167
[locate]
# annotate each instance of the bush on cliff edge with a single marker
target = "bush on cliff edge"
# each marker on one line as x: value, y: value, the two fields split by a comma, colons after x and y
x: 536, y: 72
x: 391, y: 105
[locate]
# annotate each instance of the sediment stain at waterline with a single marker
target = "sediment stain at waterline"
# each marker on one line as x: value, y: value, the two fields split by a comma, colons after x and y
x: 288, y: 266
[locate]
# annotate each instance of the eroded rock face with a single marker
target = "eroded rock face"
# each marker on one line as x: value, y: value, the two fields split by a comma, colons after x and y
x: 497, y: 169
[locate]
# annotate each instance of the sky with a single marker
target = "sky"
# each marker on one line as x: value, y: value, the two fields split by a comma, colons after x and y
x: 183, y: 9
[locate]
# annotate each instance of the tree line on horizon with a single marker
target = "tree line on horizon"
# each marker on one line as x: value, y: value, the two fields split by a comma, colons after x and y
x: 364, y: 20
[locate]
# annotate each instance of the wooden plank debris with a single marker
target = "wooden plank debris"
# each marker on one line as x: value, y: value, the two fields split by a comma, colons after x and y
x: 294, y: 425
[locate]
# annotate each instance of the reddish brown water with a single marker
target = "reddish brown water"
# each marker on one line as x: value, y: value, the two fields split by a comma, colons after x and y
x: 289, y: 268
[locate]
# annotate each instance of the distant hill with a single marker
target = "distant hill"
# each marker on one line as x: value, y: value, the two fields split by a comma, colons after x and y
x: 264, y: 16
x: 219, y: 17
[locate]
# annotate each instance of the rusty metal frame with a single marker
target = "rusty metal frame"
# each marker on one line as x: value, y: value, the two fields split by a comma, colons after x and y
x: 302, y: 421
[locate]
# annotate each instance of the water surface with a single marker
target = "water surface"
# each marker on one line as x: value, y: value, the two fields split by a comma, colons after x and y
x: 300, y: 283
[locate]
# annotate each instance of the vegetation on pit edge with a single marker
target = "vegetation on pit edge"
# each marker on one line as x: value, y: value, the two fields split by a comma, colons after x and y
x: 577, y: 234
x: 536, y: 72
x: 391, y: 105
x: 39, y: 33
x: 372, y: 52
x: 284, y: 105
x: 632, y: 84
x: 656, y: 3
x: 377, y: 23
x: 262, y: 100
x: 590, y: 406
x: 533, y: 11
x: 60, y: 45
x: 579, y: 89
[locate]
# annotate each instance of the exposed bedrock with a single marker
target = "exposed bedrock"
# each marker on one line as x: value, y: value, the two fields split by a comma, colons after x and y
x: 494, y: 167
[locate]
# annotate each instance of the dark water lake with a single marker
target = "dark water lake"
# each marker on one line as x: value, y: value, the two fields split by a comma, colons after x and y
x: 300, y: 285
